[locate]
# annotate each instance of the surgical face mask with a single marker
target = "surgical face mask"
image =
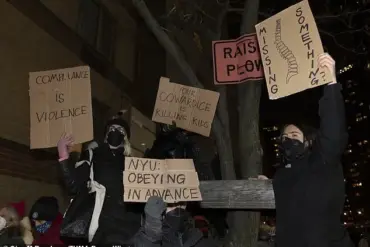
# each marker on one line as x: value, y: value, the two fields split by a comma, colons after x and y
x: 292, y: 148
x: 2, y: 223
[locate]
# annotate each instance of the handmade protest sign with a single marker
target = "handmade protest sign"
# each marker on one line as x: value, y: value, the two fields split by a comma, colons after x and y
x: 175, y: 180
x: 60, y: 101
x: 191, y: 108
x: 237, y: 61
x: 290, y: 45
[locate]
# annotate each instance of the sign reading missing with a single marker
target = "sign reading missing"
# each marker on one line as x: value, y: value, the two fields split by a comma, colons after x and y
x: 290, y: 45
x: 237, y: 61
x: 191, y: 108
x: 60, y: 101
x: 175, y: 180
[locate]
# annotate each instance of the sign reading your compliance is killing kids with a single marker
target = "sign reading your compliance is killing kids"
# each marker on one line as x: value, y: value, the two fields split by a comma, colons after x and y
x: 60, y: 101
x: 290, y: 45
x: 237, y: 61
x: 191, y: 108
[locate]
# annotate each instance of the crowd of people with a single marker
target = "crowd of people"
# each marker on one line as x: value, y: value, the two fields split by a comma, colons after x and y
x: 308, y: 187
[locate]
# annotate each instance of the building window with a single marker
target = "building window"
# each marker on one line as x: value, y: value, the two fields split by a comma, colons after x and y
x: 107, y: 34
x: 97, y: 26
x: 88, y: 20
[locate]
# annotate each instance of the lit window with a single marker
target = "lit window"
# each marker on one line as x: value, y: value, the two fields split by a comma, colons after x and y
x: 345, y: 213
x: 359, y: 212
x: 365, y: 141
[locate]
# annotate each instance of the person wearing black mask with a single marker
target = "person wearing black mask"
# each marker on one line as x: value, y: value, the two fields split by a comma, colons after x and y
x: 309, y: 184
x: 118, y: 221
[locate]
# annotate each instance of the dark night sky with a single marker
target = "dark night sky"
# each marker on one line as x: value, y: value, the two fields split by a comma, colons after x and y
x: 304, y: 105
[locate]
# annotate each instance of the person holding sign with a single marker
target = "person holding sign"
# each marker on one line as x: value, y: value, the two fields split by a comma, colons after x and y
x: 309, y: 184
x: 176, y: 143
x: 112, y: 220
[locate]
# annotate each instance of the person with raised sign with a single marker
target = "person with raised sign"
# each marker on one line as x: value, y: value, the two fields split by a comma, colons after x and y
x: 309, y: 184
x: 112, y: 220
x: 176, y: 143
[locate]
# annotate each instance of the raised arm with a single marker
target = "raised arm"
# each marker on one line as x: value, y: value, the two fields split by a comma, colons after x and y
x: 75, y: 172
x: 332, y: 136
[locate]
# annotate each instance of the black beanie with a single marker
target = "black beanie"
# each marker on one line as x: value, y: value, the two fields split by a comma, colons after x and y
x: 45, y: 208
x: 121, y: 122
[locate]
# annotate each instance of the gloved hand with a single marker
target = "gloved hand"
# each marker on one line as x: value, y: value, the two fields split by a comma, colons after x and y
x: 155, y: 207
x: 64, y: 144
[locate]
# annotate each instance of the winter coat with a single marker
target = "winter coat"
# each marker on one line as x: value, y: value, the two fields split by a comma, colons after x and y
x: 118, y: 221
x: 310, y: 192
x: 6, y: 238
x: 52, y: 235
x: 178, y: 231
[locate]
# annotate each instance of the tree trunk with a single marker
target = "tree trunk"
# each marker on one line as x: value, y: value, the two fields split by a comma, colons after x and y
x: 246, y: 224
x: 220, y: 129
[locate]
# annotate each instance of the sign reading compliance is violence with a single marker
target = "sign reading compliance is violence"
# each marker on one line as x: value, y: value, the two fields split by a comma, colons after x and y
x: 60, y: 101
x: 237, y: 61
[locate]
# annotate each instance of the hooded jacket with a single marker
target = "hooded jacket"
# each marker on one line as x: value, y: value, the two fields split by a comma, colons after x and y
x: 310, y: 191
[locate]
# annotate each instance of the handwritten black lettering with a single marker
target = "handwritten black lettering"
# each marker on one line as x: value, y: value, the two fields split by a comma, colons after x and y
x: 61, y: 77
x: 270, y: 75
x: 169, y: 114
x: 59, y: 97
x: 133, y: 194
x: 143, y: 164
x: 59, y: 114
x: 200, y: 123
x: 177, y: 194
x: 227, y: 52
x: 184, y: 100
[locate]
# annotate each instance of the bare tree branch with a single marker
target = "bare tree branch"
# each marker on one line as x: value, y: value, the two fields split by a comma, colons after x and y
x: 171, y: 48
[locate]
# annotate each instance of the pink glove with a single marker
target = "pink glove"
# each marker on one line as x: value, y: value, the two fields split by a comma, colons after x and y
x: 64, y: 144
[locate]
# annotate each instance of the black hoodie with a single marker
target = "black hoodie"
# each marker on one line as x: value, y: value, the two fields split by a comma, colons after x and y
x: 310, y: 191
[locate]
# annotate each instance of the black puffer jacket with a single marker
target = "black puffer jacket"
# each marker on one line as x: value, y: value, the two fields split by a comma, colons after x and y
x: 118, y: 221
x: 309, y: 192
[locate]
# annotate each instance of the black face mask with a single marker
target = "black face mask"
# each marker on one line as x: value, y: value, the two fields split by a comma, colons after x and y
x: 292, y: 149
x: 115, y: 138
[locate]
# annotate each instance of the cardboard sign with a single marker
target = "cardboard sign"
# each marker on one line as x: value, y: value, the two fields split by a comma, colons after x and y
x: 60, y: 101
x: 191, y: 108
x: 290, y: 45
x: 237, y: 61
x: 175, y: 180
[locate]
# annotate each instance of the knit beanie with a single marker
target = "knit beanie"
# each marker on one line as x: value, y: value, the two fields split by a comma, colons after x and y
x: 118, y: 120
x: 45, y: 208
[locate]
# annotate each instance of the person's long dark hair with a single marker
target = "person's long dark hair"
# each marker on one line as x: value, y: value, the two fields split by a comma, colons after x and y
x: 309, y: 135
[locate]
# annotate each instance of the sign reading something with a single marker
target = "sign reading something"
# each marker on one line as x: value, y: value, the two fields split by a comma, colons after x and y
x: 290, y: 45
x: 60, y: 101
x: 175, y: 180
x: 237, y: 61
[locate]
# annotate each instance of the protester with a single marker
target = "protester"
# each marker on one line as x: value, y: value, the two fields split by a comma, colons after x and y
x: 117, y: 222
x: 178, y: 230
x: 175, y: 143
x: 46, y: 220
x: 309, y: 184
x: 10, y: 231
x: 150, y: 234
